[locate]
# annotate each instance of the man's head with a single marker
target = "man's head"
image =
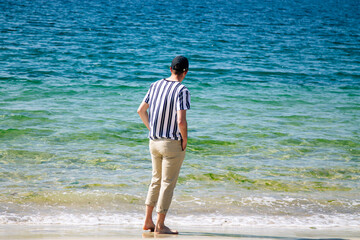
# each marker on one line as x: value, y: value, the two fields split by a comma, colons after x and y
x: 180, y: 65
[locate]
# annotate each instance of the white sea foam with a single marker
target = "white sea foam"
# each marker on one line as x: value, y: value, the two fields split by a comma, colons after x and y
x: 321, y: 221
x: 71, y: 219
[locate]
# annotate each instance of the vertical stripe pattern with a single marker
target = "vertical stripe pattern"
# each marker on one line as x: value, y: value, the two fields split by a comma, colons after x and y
x: 165, y: 98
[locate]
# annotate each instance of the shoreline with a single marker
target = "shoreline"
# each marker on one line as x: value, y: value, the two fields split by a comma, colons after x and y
x: 110, y: 232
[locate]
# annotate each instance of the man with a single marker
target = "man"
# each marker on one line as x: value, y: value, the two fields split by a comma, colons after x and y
x: 167, y: 101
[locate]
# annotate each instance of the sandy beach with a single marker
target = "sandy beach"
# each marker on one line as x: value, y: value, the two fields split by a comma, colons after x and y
x: 64, y: 232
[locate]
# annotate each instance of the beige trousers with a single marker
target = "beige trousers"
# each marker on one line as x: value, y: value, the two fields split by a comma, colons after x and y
x: 167, y: 157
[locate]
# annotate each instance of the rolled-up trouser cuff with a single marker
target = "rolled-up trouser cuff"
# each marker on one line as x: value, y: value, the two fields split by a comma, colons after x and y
x: 162, y: 211
x: 150, y: 204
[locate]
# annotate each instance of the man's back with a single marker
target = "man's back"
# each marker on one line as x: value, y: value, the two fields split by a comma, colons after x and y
x: 165, y: 98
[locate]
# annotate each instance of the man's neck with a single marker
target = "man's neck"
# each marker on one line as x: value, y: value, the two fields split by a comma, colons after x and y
x: 175, y: 78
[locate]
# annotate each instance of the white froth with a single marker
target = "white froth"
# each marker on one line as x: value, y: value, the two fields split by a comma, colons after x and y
x: 214, y: 220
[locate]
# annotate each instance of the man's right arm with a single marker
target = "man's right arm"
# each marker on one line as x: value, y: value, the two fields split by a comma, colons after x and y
x: 142, y: 111
x: 182, y: 124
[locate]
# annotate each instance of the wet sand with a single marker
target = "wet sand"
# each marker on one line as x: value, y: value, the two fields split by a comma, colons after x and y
x: 64, y: 232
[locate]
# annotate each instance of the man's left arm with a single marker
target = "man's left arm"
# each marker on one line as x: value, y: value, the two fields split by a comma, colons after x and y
x: 142, y: 111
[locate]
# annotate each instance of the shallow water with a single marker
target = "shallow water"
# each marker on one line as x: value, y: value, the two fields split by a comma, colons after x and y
x: 273, y: 126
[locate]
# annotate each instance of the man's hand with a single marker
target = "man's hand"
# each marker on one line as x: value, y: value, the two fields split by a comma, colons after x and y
x: 183, y: 144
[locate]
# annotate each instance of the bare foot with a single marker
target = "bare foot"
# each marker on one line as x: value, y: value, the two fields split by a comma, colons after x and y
x: 165, y: 230
x: 149, y: 226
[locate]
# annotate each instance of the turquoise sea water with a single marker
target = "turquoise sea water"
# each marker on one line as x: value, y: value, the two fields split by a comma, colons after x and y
x: 274, y: 124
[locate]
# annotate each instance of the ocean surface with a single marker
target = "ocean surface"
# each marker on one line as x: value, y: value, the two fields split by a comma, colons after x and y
x: 274, y: 124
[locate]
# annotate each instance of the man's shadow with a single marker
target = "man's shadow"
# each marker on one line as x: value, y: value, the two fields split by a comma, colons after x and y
x: 230, y: 235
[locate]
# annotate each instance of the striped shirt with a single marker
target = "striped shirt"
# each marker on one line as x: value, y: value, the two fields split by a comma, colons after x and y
x: 165, y: 98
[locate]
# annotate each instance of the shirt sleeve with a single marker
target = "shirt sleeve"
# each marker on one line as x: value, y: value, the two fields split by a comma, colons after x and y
x: 147, y: 96
x: 183, y: 102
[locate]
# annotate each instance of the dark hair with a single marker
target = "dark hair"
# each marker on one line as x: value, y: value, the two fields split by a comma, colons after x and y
x: 178, y: 72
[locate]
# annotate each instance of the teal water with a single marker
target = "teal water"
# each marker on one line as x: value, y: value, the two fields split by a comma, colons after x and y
x: 274, y: 124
